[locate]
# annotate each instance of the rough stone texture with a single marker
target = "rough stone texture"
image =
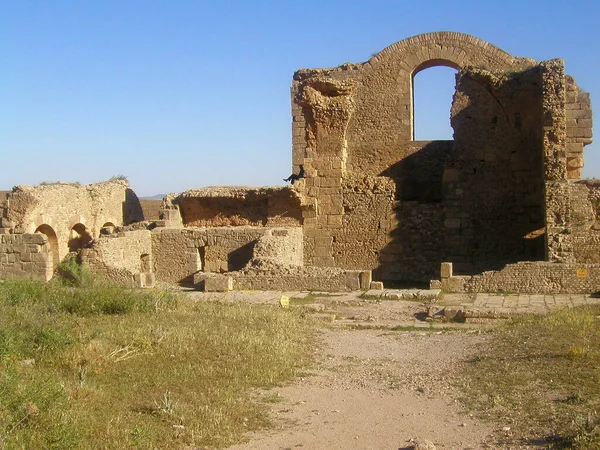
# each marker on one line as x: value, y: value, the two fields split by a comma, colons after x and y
x: 70, y: 214
x: 179, y: 253
x: 239, y: 206
x: 479, y: 201
x: 298, y: 278
x: 25, y: 256
x: 150, y: 209
x: 374, y: 204
x: 124, y: 257
x: 530, y: 277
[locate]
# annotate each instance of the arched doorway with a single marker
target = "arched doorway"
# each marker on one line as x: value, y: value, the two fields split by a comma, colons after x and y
x: 50, y: 234
x: 79, y: 237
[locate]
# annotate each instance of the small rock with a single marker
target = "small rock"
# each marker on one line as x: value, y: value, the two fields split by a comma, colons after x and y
x: 423, y: 444
x: 505, y: 429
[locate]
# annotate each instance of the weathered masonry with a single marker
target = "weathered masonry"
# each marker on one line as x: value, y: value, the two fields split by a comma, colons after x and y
x: 504, y: 190
x: 499, y: 207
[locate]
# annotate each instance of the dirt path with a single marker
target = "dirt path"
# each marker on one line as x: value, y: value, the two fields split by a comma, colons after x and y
x: 377, y: 389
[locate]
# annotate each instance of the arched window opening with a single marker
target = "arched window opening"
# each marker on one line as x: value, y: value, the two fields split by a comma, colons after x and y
x: 79, y: 237
x: 48, y: 231
x: 433, y: 89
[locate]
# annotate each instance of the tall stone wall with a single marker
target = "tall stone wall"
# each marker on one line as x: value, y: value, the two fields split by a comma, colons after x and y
x: 493, y: 179
x: 25, y: 256
x: 478, y: 200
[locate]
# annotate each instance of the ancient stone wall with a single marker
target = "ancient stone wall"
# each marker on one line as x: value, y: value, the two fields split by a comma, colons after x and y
x: 529, y: 277
x: 179, y: 253
x: 477, y: 200
x: 124, y: 257
x: 150, y: 209
x: 493, y: 196
x: 69, y: 214
x: 239, y: 206
x: 25, y: 256
x: 579, y: 126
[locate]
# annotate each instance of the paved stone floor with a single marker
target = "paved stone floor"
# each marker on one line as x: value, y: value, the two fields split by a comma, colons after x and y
x: 475, y: 305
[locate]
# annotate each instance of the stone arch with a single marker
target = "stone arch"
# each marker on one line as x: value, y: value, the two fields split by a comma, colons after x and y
x: 50, y: 234
x: 79, y: 236
x: 381, y: 128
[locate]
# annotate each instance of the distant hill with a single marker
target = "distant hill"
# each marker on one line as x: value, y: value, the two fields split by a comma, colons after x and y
x: 154, y: 197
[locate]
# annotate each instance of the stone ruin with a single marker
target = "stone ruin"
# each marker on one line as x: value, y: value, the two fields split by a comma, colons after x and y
x: 500, y: 207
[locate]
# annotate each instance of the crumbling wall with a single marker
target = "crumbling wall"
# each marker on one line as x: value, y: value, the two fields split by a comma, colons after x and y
x: 150, y: 209
x: 179, y: 253
x: 239, y: 206
x: 528, y: 277
x: 578, y: 126
x: 493, y: 178
x: 124, y: 257
x: 452, y: 199
x: 70, y: 212
x: 25, y: 256
x: 571, y: 208
x: 278, y: 249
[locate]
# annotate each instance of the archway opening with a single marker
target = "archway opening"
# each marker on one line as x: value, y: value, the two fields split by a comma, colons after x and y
x: 433, y: 89
x: 48, y: 231
x: 79, y: 237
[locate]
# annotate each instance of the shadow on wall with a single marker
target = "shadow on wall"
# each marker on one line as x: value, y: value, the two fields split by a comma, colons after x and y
x: 132, y: 208
x: 52, y: 242
x: 413, y: 255
x: 238, y: 258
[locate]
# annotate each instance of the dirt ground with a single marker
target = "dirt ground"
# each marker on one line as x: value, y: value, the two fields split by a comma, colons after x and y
x: 377, y: 388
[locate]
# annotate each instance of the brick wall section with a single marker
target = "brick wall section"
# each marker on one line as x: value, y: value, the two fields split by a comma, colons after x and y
x: 300, y: 279
x: 150, y: 209
x: 579, y: 126
x: 25, y: 256
x: 124, y: 257
x: 239, y: 206
x: 478, y: 201
x: 62, y: 206
x: 530, y: 277
x: 179, y: 253
x: 493, y: 198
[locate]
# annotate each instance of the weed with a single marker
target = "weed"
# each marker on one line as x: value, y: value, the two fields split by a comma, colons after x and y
x: 531, y: 361
x: 119, y: 177
x: 79, y: 362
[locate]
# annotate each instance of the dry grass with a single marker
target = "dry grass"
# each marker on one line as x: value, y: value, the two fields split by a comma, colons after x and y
x: 97, y: 366
x: 540, y: 376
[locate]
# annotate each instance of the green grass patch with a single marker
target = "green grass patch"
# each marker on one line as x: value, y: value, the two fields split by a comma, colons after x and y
x: 92, y: 365
x: 540, y: 375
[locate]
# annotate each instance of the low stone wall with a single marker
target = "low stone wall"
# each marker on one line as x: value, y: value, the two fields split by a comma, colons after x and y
x: 124, y: 257
x: 179, y: 253
x: 286, y: 279
x: 25, y: 256
x: 526, y: 277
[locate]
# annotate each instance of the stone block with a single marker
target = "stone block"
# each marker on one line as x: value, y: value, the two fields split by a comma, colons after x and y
x: 435, y: 284
x: 376, y: 285
x: 446, y: 270
x: 218, y: 283
x: 353, y: 280
x: 366, y: 277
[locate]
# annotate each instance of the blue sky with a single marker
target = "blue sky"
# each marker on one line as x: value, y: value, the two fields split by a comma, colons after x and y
x: 181, y: 94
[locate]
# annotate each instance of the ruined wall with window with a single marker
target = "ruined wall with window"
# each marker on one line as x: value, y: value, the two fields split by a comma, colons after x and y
x: 478, y: 201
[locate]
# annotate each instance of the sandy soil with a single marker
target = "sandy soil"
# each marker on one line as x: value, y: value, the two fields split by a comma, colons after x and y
x: 378, y: 389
